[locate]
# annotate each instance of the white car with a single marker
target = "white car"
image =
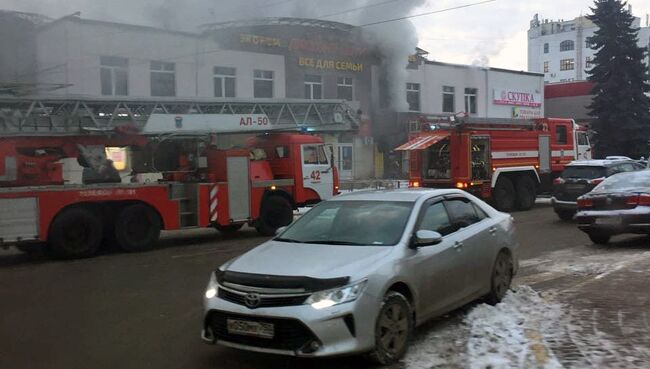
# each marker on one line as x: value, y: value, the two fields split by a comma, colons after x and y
x: 356, y: 274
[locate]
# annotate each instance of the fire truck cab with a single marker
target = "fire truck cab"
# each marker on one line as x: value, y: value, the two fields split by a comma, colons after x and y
x: 505, y: 161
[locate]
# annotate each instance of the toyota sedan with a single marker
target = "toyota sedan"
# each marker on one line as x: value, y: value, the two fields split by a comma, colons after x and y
x: 358, y: 273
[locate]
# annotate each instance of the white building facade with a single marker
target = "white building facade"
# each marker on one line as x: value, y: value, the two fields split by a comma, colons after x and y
x: 480, y: 92
x: 108, y: 59
x: 560, y: 49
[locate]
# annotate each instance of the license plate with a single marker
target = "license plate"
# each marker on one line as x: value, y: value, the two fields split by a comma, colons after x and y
x: 575, y: 187
x: 609, y: 221
x: 248, y: 328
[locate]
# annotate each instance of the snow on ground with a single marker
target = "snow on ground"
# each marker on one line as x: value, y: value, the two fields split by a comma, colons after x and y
x: 525, y: 331
x: 514, y: 333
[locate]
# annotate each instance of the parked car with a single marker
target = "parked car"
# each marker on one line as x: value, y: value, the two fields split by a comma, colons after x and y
x: 620, y: 204
x: 357, y: 273
x: 580, y: 177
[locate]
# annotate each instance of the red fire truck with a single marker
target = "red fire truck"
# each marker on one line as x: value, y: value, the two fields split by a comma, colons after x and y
x: 506, y: 161
x: 258, y: 183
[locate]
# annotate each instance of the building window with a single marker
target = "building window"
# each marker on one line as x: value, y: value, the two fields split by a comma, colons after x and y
x: 313, y: 87
x: 589, y: 63
x: 262, y: 83
x: 567, y: 64
x: 448, y: 105
x: 546, y: 48
x: 566, y: 45
x: 163, y: 79
x: 588, y: 43
x: 470, y: 100
x: 545, y: 67
x: 224, y: 81
x: 344, y: 88
x: 413, y: 96
x: 114, y: 75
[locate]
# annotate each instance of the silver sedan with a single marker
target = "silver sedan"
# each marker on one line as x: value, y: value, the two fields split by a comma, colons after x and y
x: 357, y: 274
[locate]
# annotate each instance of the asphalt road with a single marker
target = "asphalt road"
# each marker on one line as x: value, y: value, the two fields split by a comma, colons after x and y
x: 144, y: 310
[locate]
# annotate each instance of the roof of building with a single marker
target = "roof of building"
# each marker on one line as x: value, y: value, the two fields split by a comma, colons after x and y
x: 466, y: 66
x: 273, y: 21
x: 568, y: 89
x: 135, y: 27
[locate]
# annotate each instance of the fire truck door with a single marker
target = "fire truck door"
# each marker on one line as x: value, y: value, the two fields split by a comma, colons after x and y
x: 317, y: 173
x: 544, y: 154
x: 583, y: 148
x: 238, y: 188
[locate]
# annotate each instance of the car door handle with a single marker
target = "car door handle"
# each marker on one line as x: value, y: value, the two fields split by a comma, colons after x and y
x: 492, y: 230
x: 458, y: 245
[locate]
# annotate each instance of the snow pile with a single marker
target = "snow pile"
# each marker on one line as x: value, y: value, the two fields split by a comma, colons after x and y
x: 439, y: 345
x: 514, y: 333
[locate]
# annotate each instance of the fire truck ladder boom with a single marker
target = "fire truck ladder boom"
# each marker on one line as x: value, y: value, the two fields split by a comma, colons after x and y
x: 53, y: 115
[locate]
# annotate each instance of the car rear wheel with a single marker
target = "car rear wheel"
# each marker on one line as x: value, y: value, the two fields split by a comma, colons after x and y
x: 501, y: 278
x: 393, y: 329
x: 504, y: 194
x: 526, y: 192
x: 599, y: 238
x: 565, y: 215
x: 137, y: 228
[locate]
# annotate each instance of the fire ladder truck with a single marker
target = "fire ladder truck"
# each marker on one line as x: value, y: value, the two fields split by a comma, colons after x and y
x: 505, y: 161
x: 199, y: 183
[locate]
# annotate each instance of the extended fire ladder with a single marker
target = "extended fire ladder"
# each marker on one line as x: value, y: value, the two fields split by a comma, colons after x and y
x: 53, y: 115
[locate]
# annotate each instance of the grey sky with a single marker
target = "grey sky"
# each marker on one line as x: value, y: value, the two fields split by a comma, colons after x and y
x: 493, y: 32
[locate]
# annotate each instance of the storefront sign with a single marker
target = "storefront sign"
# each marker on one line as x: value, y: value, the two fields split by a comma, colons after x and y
x: 329, y: 64
x: 519, y: 98
x: 526, y: 113
x: 258, y: 40
x: 325, y: 47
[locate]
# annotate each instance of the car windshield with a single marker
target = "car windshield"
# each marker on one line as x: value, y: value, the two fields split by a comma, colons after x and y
x: 583, y: 172
x: 625, y: 181
x: 378, y: 223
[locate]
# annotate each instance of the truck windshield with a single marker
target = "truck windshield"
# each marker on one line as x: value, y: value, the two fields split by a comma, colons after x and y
x: 435, y: 161
x: 357, y: 223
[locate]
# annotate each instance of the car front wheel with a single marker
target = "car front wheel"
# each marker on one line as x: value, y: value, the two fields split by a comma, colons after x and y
x: 393, y: 329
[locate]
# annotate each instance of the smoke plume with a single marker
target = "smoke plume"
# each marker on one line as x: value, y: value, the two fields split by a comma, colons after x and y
x: 394, y: 40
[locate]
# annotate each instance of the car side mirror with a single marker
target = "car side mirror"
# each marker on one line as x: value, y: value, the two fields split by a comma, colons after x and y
x: 280, y: 230
x: 426, y: 238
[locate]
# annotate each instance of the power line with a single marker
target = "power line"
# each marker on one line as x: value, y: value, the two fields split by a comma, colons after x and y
x: 427, y: 13
x: 356, y: 9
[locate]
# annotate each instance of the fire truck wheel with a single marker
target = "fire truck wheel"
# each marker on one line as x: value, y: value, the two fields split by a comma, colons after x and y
x: 228, y: 229
x: 276, y: 212
x: 504, y: 194
x: 526, y: 190
x: 137, y: 228
x: 75, y: 233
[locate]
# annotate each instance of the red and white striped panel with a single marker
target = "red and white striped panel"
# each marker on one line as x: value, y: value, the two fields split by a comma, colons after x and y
x: 213, y: 203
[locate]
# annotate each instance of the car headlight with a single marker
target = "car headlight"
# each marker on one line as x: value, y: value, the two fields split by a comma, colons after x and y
x: 327, y: 298
x: 211, y: 290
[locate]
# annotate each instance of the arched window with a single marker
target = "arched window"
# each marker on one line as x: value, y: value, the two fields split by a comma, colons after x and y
x: 566, y: 45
